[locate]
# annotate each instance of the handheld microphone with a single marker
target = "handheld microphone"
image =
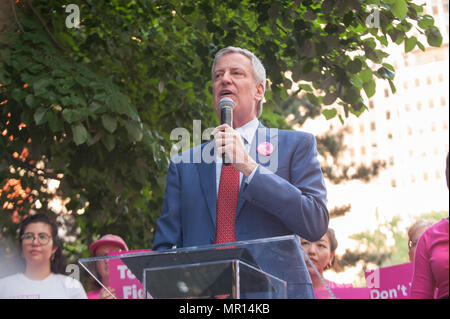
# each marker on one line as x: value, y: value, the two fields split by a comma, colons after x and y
x: 226, y: 106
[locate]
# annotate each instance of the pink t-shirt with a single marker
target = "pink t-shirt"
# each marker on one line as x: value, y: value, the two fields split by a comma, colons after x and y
x: 323, y: 293
x: 431, y: 263
x: 94, y: 294
x: 332, y: 285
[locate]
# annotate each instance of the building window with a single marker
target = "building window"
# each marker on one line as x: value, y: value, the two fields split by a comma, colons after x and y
x: 445, y: 125
x: 391, y: 160
x: 443, y: 101
x: 435, y: 10
x: 417, y: 82
x: 431, y: 103
x: 413, y: 179
x: 390, y: 136
x: 425, y: 176
x: 372, y: 126
x: 405, y: 85
x: 361, y: 128
x: 441, y: 78
x: 419, y: 59
x: 363, y: 150
x: 437, y: 174
x: 409, y: 130
x: 433, y: 127
x: 407, y: 107
x: 388, y: 115
x: 393, y: 183
x: 429, y: 80
x: 371, y: 104
x: 411, y: 153
x: 419, y: 105
x: 386, y: 92
x: 352, y: 152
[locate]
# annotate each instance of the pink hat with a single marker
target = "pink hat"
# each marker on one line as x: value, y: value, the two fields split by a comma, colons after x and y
x: 108, y: 239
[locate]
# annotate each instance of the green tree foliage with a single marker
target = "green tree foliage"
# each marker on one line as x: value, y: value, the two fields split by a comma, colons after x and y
x: 94, y: 106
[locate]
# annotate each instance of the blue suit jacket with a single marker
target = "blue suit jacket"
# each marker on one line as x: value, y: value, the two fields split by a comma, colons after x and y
x: 286, y: 195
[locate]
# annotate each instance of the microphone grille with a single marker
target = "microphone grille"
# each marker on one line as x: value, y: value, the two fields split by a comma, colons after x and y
x: 226, y: 102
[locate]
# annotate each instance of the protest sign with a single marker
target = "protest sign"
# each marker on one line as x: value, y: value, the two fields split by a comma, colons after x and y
x: 393, y: 282
x: 343, y: 293
x: 125, y: 283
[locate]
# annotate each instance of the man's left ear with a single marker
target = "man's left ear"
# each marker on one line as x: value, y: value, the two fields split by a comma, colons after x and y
x: 259, y: 91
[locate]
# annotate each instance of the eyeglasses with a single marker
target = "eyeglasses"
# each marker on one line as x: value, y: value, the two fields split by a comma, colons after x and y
x: 412, y: 244
x: 43, y: 238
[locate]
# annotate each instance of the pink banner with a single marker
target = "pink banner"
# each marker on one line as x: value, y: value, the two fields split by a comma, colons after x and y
x: 127, y: 286
x: 393, y: 282
x: 343, y: 293
x: 351, y: 293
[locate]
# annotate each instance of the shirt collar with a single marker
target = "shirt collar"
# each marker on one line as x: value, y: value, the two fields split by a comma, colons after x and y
x: 248, y: 130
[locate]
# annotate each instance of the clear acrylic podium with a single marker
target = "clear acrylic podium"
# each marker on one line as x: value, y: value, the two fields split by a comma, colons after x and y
x: 269, y: 268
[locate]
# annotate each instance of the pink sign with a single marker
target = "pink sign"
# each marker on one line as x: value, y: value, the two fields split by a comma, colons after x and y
x: 125, y: 283
x: 343, y: 293
x: 393, y: 282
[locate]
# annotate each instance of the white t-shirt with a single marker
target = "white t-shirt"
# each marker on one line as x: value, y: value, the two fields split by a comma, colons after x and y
x: 55, y: 286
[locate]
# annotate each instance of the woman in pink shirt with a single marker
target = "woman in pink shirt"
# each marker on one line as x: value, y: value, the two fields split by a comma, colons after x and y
x: 102, y: 247
x: 322, y: 255
x: 431, y: 262
x: 414, y: 233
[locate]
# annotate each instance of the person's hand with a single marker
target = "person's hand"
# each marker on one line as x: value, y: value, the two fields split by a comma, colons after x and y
x: 229, y: 141
x: 104, y: 294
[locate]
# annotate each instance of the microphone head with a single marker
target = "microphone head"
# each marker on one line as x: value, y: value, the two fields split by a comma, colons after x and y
x: 226, y: 102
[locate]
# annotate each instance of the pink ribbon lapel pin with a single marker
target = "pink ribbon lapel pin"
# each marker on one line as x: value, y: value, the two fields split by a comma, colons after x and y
x: 265, y: 148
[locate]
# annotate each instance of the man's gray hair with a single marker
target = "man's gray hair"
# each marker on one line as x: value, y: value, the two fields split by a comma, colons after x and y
x: 259, y: 72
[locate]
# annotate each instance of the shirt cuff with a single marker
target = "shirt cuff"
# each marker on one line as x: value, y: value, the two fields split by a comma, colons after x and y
x: 249, y: 178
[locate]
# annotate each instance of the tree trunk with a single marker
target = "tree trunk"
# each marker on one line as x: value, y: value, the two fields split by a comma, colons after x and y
x: 6, y: 16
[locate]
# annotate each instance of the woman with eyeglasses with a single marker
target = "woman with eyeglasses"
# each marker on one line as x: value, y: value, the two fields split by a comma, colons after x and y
x: 414, y: 233
x: 44, y: 271
x: 431, y: 266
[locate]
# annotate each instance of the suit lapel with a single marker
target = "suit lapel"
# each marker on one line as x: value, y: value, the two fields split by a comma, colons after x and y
x: 262, y: 134
x: 207, y: 175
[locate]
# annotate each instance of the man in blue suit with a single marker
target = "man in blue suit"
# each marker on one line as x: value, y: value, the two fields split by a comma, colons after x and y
x: 281, y: 189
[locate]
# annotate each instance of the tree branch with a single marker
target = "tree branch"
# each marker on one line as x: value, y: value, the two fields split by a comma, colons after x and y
x: 47, y: 30
x: 13, y: 7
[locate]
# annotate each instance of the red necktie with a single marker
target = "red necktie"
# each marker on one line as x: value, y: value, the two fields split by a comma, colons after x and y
x: 226, y: 204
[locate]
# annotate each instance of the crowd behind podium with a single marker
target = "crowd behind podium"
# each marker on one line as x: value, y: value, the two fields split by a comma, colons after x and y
x: 44, y: 273
x: 44, y: 276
